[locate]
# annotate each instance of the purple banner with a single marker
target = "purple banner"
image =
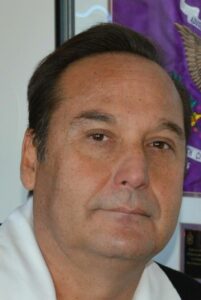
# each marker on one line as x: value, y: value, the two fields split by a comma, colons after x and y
x: 176, y: 26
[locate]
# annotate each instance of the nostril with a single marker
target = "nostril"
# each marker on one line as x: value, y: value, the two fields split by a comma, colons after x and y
x: 124, y: 182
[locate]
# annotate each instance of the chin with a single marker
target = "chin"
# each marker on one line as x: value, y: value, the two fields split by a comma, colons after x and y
x: 126, y: 249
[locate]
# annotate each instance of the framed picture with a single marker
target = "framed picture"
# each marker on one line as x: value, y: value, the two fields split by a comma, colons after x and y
x: 191, y: 250
x: 74, y: 16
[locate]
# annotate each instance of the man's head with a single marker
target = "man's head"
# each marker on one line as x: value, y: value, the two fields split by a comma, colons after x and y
x: 105, y: 149
x: 43, y: 93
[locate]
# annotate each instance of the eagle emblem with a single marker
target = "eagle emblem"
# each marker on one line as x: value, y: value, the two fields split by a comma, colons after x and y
x: 192, y: 46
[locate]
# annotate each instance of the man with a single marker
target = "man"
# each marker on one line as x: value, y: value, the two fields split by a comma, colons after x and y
x: 104, y: 155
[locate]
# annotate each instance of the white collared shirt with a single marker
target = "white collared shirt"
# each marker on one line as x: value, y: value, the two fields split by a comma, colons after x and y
x: 24, y: 274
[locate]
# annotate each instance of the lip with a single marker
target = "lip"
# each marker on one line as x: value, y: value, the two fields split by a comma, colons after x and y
x: 125, y: 210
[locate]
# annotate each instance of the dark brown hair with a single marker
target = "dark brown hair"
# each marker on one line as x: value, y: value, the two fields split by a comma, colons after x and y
x: 42, y: 90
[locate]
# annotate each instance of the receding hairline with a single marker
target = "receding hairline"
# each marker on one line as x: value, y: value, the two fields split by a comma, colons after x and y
x: 62, y: 77
x: 111, y: 53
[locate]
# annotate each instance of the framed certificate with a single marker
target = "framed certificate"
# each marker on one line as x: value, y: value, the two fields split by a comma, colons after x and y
x: 191, y: 250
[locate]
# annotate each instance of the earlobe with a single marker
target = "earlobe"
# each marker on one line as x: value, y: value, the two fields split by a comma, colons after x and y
x: 28, y: 165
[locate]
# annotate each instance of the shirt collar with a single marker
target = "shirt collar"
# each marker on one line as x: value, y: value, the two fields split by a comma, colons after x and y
x: 155, y: 285
x: 23, y: 268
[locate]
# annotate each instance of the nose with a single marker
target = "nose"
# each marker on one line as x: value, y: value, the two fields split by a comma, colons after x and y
x: 131, y: 171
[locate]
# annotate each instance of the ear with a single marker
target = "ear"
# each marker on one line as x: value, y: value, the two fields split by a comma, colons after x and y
x: 29, y: 161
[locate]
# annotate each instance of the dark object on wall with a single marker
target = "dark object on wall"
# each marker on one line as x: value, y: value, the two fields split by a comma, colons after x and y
x: 191, y: 250
x: 64, y: 20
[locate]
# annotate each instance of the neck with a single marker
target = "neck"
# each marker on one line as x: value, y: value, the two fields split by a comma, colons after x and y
x: 79, y: 275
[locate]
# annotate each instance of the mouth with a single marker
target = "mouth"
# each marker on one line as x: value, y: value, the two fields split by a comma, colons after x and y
x: 128, y: 211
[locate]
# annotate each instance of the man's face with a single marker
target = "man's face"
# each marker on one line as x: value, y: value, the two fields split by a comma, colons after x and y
x: 111, y: 181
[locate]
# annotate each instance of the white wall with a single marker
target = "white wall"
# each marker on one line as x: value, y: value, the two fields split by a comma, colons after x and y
x: 26, y: 36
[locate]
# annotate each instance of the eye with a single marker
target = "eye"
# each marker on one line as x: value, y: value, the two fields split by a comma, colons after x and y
x: 161, y: 145
x: 99, y: 137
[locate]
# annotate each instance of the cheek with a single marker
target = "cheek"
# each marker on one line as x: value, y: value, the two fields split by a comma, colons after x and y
x: 80, y: 177
x: 169, y: 197
x: 167, y: 173
x: 167, y: 184
x: 90, y: 174
x: 77, y: 182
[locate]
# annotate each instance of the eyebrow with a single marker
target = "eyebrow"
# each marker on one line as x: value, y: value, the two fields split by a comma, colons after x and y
x: 172, y: 127
x: 94, y: 115
x: 108, y: 118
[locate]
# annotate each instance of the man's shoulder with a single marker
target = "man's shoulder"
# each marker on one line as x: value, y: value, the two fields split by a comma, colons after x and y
x: 187, y: 288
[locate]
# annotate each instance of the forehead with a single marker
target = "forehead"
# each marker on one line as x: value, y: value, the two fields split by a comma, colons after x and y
x: 116, y: 81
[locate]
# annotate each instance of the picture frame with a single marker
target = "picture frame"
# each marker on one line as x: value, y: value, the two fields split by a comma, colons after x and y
x: 64, y: 20
x: 74, y: 16
x: 191, y: 250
